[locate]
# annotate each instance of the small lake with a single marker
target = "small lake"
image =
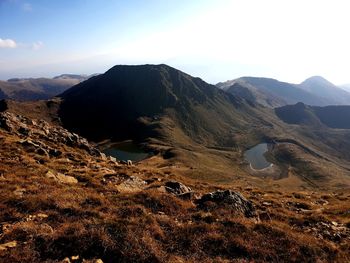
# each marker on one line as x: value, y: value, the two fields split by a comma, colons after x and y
x: 126, y: 151
x: 255, y: 156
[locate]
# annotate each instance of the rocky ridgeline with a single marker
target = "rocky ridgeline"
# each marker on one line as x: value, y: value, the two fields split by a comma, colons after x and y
x: 36, y: 134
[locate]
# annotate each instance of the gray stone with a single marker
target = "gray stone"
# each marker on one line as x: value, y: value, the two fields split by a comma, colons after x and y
x: 233, y: 199
x: 177, y: 188
x: 103, y: 156
x: 113, y: 159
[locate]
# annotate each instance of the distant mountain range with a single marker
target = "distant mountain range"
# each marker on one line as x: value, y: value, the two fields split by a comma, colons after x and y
x: 28, y: 89
x: 315, y: 91
x: 330, y: 116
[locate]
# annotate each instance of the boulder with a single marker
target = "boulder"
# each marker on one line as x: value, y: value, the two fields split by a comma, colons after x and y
x: 5, y: 122
x: 111, y: 158
x: 50, y: 175
x: 177, y: 188
x: 66, y: 179
x: 229, y: 198
x: 8, y: 245
x: 103, y: 156
x: 61, y: 178
x: 24, y: 130
x: 131, y: 184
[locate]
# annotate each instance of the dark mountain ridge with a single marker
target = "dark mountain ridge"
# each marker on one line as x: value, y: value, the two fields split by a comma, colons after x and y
x: 116, y: 104
x: 337, y: 117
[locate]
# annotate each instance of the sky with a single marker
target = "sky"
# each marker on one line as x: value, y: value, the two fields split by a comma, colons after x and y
x: 215, y: 40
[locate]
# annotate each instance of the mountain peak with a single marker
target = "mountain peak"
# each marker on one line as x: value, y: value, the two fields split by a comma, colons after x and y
x: 317, y: 80
x: 126, y: 95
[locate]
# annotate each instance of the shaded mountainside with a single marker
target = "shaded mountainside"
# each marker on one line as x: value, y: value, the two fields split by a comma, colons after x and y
x: 337, y: 117
x: 319, y: 86
x: 152, y: 100
x: 38, y: 89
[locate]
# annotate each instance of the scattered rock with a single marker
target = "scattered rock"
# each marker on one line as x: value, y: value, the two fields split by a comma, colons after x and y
x: 41, y: 215
x: 19, y: 192
x: 28, y: 143
x: 59, y: 177
x: 129, y: 162
x: 234, y: 199
x: 103, y: 156
x: 66, y: 179
x: 176, y: 188
x: 75, y: 257
x: 152, y: 180
x: 50, y: 175
x: 24, y: 131
x: 132, y: 184
x: 113, y: 159
x: 5, y: 121
x: 8, y: 245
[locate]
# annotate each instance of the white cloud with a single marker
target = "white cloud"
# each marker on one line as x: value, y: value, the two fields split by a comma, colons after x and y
x: 7, y: 43
x: 37, y: 45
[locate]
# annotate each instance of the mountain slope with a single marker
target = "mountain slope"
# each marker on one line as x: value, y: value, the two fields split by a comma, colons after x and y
x: 337, y: 117
x: 62, y: 201
x: 321, y: 87
x: 152, y: 100
x: 274, y: 93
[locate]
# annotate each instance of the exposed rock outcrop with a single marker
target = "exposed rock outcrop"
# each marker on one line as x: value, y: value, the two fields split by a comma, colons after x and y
x: 179, y: 189
x: 228, y: 197
x: 35, y: 133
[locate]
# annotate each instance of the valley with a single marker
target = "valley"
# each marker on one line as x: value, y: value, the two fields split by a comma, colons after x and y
x: 149, y: 164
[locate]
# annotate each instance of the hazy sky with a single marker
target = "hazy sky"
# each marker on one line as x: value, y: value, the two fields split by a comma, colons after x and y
x: 213, y: 39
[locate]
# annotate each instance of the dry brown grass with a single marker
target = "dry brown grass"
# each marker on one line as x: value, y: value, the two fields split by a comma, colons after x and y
x: 51, y: 221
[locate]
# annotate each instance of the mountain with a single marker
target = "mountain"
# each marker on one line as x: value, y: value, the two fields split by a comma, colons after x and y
x: 315, y: 91
x: 319, y: 86
x: 152, y: 100
x: 195, y: 198
x: 39, y: 88
x: 337, y: 117
x: 192, y: 122
x: 273, y: 93
x: 345, y: 87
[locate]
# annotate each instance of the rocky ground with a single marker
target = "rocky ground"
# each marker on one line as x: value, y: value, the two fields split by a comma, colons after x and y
x: 61, y: 200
